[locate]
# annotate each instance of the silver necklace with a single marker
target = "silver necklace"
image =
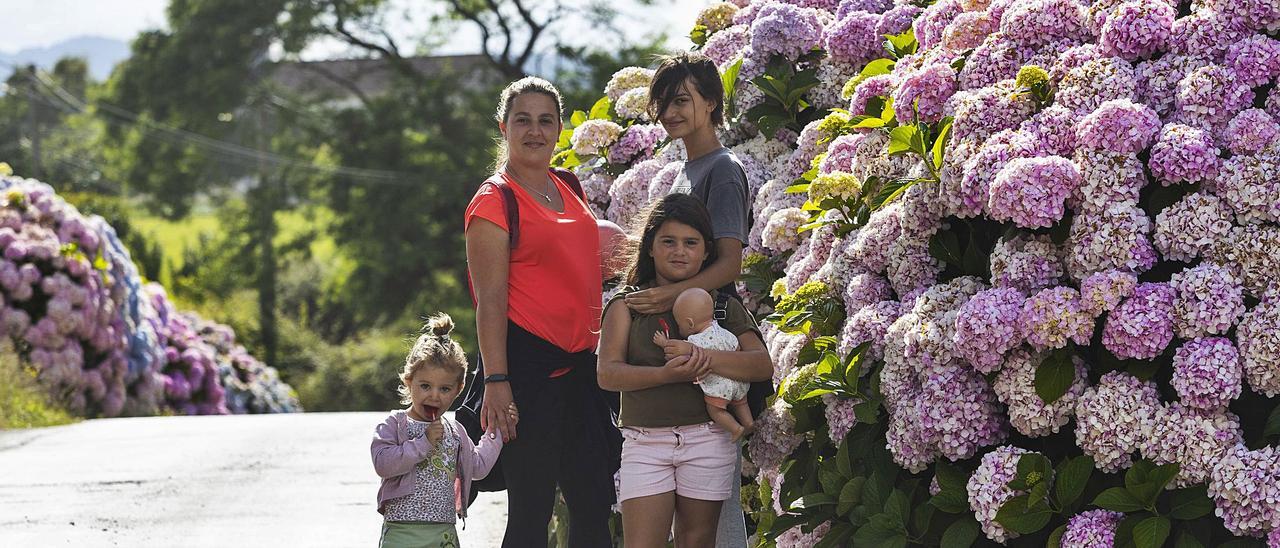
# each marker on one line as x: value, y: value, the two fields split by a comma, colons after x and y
x: 545, y: 195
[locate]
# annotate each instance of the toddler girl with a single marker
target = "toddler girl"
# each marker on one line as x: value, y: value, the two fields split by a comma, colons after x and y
x: 425, y: 459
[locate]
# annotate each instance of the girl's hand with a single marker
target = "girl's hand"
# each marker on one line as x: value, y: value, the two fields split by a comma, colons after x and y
x: 701, y: 360
x: 688, y: 368
x: 656, y: 300
x: 495, y: 409
x: 513, y: 414
x: 435, y: 431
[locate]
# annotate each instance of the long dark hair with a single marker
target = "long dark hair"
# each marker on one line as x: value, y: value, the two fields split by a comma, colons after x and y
x: 677, y: 207
x: 671, y: 75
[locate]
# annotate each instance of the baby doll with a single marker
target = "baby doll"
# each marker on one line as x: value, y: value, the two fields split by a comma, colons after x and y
x: 694, y: 312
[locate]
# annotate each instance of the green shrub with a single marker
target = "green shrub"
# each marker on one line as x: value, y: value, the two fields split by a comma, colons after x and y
x: 23, y: 403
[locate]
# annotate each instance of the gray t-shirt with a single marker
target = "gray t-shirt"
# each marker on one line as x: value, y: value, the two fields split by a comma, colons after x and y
x: 719, y: 180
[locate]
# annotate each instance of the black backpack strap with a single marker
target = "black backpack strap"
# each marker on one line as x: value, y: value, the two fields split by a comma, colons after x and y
x: 722, y: 306
x: 572, y: 180
x: 511, y: 207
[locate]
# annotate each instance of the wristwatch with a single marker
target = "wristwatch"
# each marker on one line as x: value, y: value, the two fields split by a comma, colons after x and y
x: 497, y: 377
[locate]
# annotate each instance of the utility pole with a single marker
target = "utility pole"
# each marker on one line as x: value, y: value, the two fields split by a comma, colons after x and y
x: 266, y: 205
x: 33, y: 121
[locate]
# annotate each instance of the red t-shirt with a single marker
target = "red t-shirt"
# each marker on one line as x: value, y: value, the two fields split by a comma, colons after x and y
x: 553, y: 285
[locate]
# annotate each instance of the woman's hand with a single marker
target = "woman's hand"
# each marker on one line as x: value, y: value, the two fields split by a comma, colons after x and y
x: 496, y: 410
x: 656, y: 300
x: 690, y: 368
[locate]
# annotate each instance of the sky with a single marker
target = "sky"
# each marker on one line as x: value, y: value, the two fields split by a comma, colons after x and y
x: 41, y: 23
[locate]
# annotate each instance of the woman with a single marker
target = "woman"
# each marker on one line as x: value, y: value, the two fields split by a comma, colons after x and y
x: 687, y: 97
x: 676, y: 463
x: 537, y: 315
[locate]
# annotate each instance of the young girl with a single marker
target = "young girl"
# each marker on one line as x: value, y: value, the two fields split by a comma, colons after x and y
x: 425, y: 459
x: 676, y: 463
x: 687, y: 97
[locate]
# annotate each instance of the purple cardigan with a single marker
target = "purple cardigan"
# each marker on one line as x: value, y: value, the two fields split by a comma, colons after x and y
x: 395, y: 455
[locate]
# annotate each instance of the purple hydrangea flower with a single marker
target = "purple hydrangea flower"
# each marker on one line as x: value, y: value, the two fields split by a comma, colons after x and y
x: 1252, y: 131
x: 1032, y: 192
x: 1255, y: 60
x: 968, y: 30
x: 1206, y: 373
x: 1039, y: 22
x: 1119, y: 125
x: 870, y: 6
x: 869, y: 324
x: 987, y: 328
x: 774, y: 438
x: 988, y: 489
x: 1259, y: 340
x: 1142, y: 326
x: 1245, y: 486
x: 1026, y: 263
x: 935, y: 18
x: 1054, y: 129
x: 1250, y: 252
x: 981, y: 169
x: 1183, y: 154
x: 981, y: 113
x: 898, y: 19
x: 1112, y: 239
x: 1091, y: 529
x: 727, y: 44
x: 961, y: 408
x: 1015, y: 385
x: 998, y: 58
x: 1053, y: 316
x: 924, y: 93
x: 1084, y: 88
x: 853, y: 38
x: 1103, y: 291
x: 785, y: 29
x: 1110, y: 419
x: 1190, y: 227
x: 1213, y: 94
x: 1137, y: 29
x: 1205, y: 33
x: 1158, y: 79
x: 636, y: 144
x: 1209, y: 300
x: 1194, y: 438
x: 882, y: 85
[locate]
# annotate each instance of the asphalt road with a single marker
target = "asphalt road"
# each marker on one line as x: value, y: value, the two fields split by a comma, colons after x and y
x: 256, y: 480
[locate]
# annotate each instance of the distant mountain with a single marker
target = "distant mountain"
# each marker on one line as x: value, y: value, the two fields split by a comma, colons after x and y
x: 102, y: 54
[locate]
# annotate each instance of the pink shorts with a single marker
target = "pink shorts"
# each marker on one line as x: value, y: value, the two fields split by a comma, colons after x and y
x: 696, y: 461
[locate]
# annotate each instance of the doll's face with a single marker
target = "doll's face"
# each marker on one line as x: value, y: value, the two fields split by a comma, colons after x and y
x: 433, y: 390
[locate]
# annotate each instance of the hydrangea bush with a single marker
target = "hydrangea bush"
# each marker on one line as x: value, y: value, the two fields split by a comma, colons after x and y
x: 101, y: 341
x: 1020, y: 280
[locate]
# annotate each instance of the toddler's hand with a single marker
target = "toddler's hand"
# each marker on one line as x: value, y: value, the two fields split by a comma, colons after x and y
x: 435, y: 431
x: 513, y: 414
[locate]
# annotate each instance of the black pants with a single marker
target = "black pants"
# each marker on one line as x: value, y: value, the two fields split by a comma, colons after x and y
x: 564, y: 438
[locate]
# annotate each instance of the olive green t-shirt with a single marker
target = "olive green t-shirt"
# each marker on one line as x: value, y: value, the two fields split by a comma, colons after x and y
x: 675, y: 404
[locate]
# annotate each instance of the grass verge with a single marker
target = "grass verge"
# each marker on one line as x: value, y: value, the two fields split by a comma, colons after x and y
x: 23, y: 403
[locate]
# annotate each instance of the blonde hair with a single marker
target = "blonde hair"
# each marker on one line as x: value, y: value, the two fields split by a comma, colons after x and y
x: 528, y: 84
x: 434, y: 348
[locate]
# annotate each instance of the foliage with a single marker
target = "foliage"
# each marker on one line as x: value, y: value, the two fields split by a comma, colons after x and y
x: 23, y: 402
